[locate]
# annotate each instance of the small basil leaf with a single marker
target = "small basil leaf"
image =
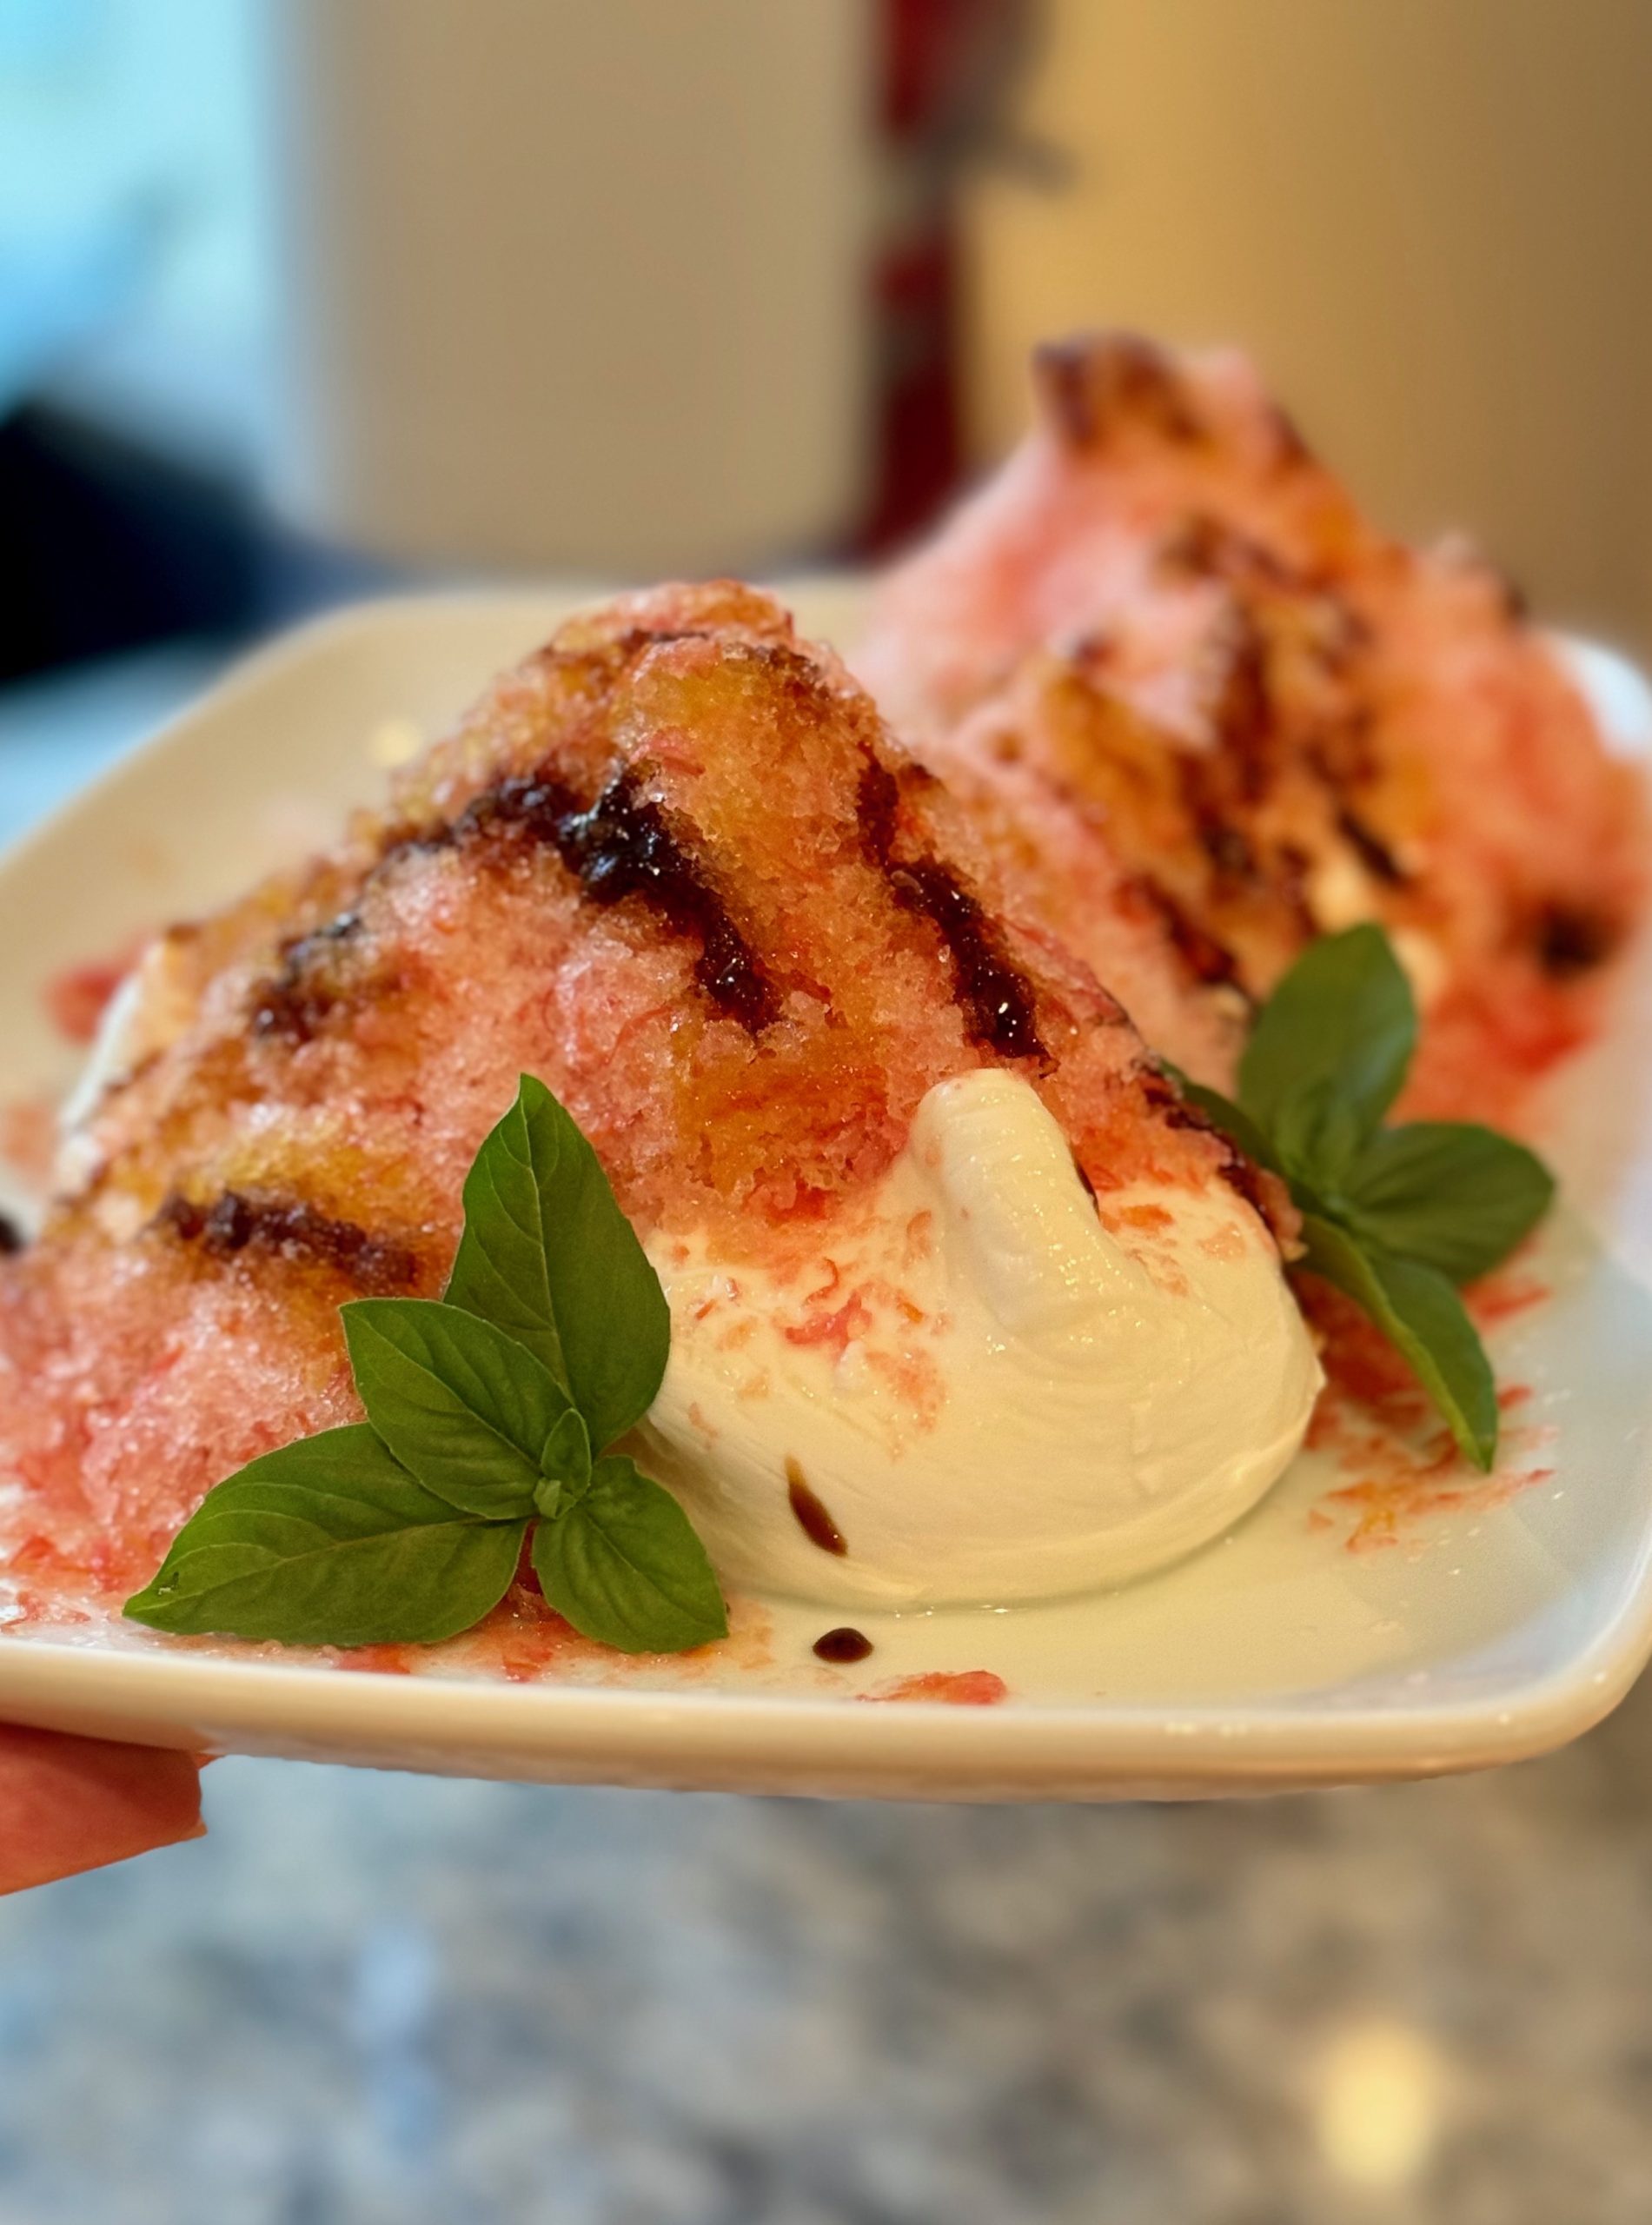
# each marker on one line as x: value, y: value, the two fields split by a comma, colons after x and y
x: 566, y: 1456
x: 328, y: 1542
x: 547, y: 1255
x: 1228, y: 1119
x: 623, y: 1564
x: 1447, y: 1193
x: 1424, y: 1319
x: 1344, y: 1018
x: 1318, y: 1135
x: 565, y: 1465
x: 463, y: 1407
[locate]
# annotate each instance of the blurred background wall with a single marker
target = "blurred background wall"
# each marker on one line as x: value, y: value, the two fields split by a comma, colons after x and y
x: 300, y: 295
x: 1430, y: 219
x: 586, y: 291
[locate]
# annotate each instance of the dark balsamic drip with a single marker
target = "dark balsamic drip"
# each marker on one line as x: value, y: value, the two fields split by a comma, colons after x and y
x: 235, y: 1222
x: 996, y: 996
x: 1161, y: 1093
x: 812, y: 1519
x: 843, y: 1645
x: 1205, y: 959
x: 1244, y: 1179
x: 879, y: 801
x: 1225, y: 846
x: 1198, y: 545
x: 1571, y: 939
x: 336, y: 930
x: 1346, y: 757
x: 1145, y: 381
x: 1086, y: 381
x: 1206, y: 548
x: 291, y: 1011
x: 624, y: 845
x: 538, y: 806
x: 800, y: 672
x: 295, y: 1003
x: 413, y: 842
x: 636, y: 640
x: 1374, y: 854
x: 1245, y: 717
x: 11, y: 1237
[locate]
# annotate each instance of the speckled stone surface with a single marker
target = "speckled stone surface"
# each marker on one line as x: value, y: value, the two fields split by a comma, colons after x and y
x: 370, y: 1999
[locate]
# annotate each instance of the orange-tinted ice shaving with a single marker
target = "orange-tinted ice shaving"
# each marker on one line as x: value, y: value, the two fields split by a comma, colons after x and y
x: 673, y: 866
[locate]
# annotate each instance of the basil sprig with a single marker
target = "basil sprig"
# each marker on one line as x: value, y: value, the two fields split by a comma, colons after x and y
x: 486, y: 1411
x: 1394, y: 1217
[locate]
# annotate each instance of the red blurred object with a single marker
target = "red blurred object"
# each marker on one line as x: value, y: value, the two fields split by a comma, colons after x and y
x: 948, y: 69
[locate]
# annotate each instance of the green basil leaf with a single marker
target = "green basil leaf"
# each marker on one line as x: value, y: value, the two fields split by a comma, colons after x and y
x: 461, y: 1405
x: 565, y: 1463
x: 1447, y: 1193
x: 623, y: 1564
x: 1318, y: 1135
x: 566, y: 1456
x: 547, y: 1255
x: 1343, y: 1021
x: 1227, y: 1118
x: 329, y: 1542
x: 1424, y: 1319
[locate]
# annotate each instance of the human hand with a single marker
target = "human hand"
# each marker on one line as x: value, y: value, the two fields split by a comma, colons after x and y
x: 68, y: 1804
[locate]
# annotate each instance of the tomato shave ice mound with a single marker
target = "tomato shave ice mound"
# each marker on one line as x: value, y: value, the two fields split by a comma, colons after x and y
x: 1231, y: 715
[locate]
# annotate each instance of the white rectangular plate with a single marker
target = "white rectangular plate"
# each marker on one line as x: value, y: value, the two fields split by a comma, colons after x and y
x: 1303, y: 1648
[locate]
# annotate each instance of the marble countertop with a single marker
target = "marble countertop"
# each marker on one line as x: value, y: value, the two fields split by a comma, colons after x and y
x: 395, y: 2000
x: 370, y: 2000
